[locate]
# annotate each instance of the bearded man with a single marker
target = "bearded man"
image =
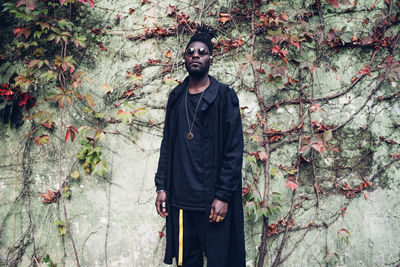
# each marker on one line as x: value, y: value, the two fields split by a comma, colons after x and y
x: 199, y: 179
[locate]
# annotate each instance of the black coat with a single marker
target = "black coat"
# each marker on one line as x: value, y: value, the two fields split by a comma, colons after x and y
x: 219, y: 115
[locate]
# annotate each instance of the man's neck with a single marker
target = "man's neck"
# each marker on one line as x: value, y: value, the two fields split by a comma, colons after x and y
x: 198, y: 84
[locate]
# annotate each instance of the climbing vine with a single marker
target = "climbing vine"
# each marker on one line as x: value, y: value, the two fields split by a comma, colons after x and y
x: 296, y: 152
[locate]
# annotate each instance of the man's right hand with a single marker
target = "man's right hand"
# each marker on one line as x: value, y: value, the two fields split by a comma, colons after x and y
x: 161, y: 203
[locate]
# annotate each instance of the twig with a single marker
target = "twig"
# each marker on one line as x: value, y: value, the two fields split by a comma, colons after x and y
x: 262, y: 247
x: 301, y: 112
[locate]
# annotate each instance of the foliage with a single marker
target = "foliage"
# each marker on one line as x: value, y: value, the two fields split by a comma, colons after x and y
x: 283, y: 47
x: 49, y: 261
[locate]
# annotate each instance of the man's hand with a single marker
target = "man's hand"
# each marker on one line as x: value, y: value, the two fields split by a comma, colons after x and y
x: 161, y: 203
x: 219, y: 209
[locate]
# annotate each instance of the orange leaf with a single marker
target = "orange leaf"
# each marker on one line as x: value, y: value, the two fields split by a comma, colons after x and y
x: 168, y: 54
x: 284, y: 16
x: 224, y: 18
x: 50, y: 196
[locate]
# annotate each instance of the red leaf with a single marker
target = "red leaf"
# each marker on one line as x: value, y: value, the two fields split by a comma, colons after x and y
x: 62, y: 1
x: 365, y: 71
x: 295, y: 43
x: 160, y: 234
x: 29, y: 3
x: 343, y: 210
x: 276, y: 49
x: 245, y: 191
x: 292, y: 185
x: 91, y: 3
x: 23, y: 99
x: 260, y: 70
x: 67, y: 135
x: 335, y: 3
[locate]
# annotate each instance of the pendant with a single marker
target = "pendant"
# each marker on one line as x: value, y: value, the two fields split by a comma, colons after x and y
x: 189, y: 136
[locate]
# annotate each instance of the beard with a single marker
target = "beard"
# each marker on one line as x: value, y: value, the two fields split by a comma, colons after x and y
x: 198, y: 72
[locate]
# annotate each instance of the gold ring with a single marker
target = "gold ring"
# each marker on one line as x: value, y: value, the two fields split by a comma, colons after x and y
x: 219, y: 218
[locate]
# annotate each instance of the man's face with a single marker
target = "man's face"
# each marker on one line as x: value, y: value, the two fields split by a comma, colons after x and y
x: 197, y: 59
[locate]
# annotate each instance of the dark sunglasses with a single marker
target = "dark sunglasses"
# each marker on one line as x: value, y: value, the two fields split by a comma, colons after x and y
x: 200, y: 51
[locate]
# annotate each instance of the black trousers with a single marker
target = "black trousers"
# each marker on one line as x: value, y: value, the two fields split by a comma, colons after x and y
x: 201, y: 238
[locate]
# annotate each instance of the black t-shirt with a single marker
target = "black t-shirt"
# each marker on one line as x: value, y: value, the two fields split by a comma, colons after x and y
x: 188, y: 158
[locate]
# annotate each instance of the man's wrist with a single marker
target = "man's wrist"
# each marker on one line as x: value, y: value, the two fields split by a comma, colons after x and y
x: 161, y: 190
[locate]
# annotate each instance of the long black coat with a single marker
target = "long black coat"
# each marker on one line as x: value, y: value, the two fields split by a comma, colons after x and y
x: 219, y: 115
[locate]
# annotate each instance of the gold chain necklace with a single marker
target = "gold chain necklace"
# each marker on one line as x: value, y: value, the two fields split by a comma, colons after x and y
x: 190, y: 135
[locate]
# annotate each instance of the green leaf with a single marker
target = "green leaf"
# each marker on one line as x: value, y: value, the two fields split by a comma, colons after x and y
x: 58, y: 223
x: 62, y: 230
x: 274, y: 172
x: 99, y: 168
x: 99, y: 115
x: 75, y: 174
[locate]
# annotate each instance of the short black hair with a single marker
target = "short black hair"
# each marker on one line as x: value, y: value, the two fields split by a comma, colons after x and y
x: 204, y: 34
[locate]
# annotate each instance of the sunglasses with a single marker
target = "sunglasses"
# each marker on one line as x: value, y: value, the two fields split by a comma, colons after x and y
x: 200, y: 51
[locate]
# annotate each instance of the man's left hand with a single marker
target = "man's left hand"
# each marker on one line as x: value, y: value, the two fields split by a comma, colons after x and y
x: 219, y: 210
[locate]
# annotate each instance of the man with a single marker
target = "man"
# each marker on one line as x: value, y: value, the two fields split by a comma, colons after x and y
x: 199, y: 171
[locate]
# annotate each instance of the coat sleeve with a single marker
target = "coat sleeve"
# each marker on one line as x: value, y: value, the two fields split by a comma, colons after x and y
x: 230, y: 175
x: 160, y: 178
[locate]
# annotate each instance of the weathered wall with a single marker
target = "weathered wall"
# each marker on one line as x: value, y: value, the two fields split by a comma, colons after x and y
x: 320, y: 90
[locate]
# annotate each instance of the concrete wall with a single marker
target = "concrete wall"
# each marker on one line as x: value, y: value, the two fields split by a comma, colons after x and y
x: 112, y: 218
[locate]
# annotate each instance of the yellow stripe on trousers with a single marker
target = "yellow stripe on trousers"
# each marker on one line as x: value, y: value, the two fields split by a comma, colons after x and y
x: 180, y: 253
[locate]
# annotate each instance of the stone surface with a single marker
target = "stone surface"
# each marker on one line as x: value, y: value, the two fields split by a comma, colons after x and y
x: 113, y: 219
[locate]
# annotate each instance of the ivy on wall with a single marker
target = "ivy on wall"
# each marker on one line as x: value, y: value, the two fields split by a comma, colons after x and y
x: 286, y: 47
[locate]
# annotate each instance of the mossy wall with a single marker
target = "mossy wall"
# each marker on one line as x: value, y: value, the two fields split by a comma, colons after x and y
x: 319, y: 92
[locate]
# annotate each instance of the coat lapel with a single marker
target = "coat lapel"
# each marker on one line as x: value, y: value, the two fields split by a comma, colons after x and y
x: 211, y: 93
